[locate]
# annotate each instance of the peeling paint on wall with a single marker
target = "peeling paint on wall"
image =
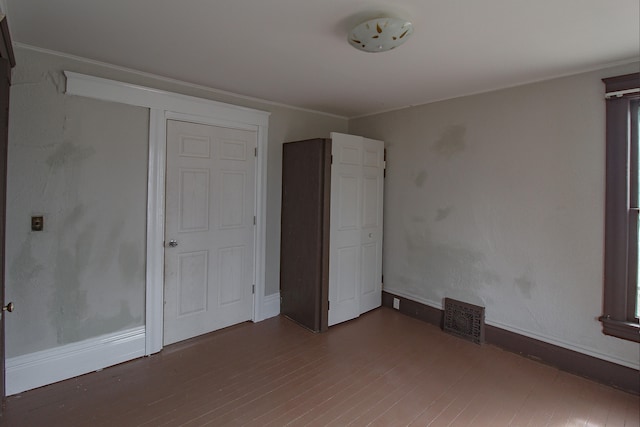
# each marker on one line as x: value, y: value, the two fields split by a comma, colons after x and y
x: 443, y: 213
x: 122, y: 319
x: 81, y: 163
x: 131, y: 266
x: 68, y: 153
x: 69, y: 304
x: 57, y: 80
x: 436, y: 265
x: 451, y: 141
x: 25, y: 267
x: 514, y: 202
x: 421, y: 179
x: 525, y: 284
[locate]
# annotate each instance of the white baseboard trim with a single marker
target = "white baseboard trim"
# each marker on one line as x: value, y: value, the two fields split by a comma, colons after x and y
x: 52, y: 365
x: 271, y: 306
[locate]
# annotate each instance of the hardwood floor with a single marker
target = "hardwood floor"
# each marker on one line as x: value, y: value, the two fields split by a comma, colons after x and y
x: 383, y: 369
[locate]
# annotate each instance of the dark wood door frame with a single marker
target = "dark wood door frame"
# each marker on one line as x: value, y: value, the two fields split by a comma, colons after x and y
x: 7, y: 61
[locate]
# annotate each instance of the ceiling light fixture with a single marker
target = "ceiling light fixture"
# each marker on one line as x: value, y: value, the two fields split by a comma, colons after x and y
x: 380, y: 35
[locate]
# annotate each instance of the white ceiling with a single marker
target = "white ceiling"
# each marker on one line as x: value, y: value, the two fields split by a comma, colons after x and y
x: 295, y: 51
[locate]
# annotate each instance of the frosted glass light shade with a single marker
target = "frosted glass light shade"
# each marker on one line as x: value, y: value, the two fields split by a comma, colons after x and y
x: 380, y: 35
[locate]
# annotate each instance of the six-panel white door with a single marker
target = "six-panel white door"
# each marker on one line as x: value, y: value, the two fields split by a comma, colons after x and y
x: 209, y: 230
x: 371, y: 226
x: 355, y: 249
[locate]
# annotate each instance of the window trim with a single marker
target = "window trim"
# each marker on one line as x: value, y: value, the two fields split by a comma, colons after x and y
x: 621, y: 214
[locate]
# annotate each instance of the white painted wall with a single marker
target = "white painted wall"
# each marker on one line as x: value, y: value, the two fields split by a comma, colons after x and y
x: 83, y: 164
x: 494, y: 199
x: 498, y: 200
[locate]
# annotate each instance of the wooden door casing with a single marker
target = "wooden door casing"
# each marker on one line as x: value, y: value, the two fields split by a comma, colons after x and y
x: 7, y: 61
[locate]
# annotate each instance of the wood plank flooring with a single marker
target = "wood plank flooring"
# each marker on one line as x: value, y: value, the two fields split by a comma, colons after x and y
x: 383, y: 369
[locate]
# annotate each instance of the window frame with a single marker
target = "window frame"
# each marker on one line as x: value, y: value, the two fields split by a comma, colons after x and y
x: 621, y: 208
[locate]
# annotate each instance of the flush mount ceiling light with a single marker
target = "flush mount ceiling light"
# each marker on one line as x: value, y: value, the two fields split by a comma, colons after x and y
x: 380, y: 35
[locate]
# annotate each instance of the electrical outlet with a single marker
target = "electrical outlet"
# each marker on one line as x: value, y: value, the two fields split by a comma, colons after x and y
x: 37, y: 223
x: 396, y: 303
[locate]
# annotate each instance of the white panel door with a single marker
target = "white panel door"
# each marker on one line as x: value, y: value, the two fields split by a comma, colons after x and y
x: 345, y: 228
x: 371, y: 224
x: 355, y: 249
x: 210, y: 194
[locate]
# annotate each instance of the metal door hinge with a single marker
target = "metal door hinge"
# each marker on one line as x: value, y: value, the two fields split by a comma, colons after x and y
x: 255, y: 152
x: 253, y: 289
x: 384, y: 163
x: 328, y: 305
x: 254, y: 220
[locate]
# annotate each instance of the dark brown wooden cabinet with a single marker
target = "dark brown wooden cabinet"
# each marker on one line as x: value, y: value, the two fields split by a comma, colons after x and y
x: 331, y: 241
x: 304, y: 250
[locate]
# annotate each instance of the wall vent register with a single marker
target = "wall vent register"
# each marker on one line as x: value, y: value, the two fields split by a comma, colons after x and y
x: 464, y: 320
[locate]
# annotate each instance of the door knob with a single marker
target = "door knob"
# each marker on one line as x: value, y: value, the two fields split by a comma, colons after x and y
x: 9, y: 307
x: 173, y: 243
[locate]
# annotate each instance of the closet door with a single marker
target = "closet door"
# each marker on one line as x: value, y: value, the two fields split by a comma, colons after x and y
x: 355, y: 252
x: 345, y: 235
x: 371, y: 224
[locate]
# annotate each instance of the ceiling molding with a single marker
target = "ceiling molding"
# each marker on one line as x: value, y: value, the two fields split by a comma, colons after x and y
x: 283, y: 58
x: 170, y: 80
x: 498, y: 88
x: 293, y: 107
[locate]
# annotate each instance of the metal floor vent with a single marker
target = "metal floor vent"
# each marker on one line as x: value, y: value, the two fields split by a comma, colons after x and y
x: 464, y: 320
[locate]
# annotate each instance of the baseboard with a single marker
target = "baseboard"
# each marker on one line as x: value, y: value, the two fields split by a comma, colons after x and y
x: 49, y: 366
x: 271, y: 306
x: 414, y: 308
x: 603, y: 371
x: 489, y: 321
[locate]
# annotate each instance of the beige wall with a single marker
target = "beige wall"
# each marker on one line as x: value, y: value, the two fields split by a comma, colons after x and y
x: 497, y: 199
x: 82, y: 163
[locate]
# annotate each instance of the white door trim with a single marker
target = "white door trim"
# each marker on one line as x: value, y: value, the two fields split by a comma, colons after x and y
x: 163, y: 105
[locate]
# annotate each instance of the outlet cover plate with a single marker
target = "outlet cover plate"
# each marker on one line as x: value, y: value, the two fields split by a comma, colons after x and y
x: 37, y: 223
